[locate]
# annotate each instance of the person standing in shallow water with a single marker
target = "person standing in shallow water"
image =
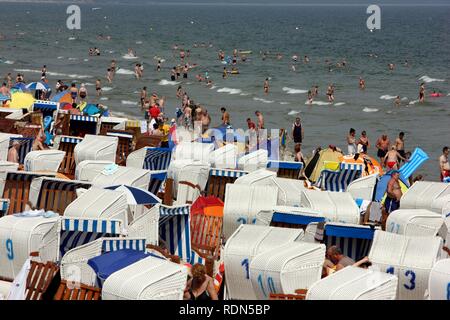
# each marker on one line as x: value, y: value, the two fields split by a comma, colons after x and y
x: 422, y: 92
x: 266, y: 86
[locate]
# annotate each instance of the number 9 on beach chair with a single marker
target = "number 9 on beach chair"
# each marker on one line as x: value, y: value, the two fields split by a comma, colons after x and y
x: 439, y: 282
x: 286, y: 268
x: 243, y: 246
x: 409, y: 258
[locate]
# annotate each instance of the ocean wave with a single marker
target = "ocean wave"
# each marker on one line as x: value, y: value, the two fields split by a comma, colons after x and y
x: 427, y: 79
x: 104, y: 98
x: 339, y: 104
x: 60, y: 57
x: 72, y: 59
x: 125, y: 71
x: 404, y: 98
x: 138, y: 42
x: 319, y: 103
x: 244, y: 94
x: 293, y: 91
x: 168, y: 83
x: 129, y: 57
x: 387, y: 97
x: 73, y: 76
x: 413, y: 102
x: 283, y: 103
x: 293, y: 112
x: 229, y: 90
x: 263, y: 100
x: 107, y: 89
x: 366, y: 109
x: 127, y: 102
x: 8, y: 62
x: 213, y: 87
x: 72, y: 38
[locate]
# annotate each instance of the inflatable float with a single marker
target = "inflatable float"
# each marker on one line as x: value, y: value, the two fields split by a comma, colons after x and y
x: 436, y: 95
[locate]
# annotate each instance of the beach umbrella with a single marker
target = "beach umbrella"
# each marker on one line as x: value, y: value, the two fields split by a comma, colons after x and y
x: 136, y: 195
x: 19, y: 86
x: 61, y: 97
x: 21, y: 100
x: 38, y: 86
x: 207, y: 205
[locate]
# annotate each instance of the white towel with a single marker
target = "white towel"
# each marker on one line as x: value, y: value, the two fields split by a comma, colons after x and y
x: 19, y: 285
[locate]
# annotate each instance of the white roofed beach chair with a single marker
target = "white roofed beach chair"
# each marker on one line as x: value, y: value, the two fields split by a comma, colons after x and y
x: 87, y: 170
x: 240, y: 249
x: 217, y: 180
x: 287, y: 268
x: 339, y: 180
x: 95, y: 147
x: 409, y: 258
x: 254, y: 160
x: 439, y: 281
x: 353, y: 283
x: 426, y: 195
x: 44, y: 160
x: 414, y: 222
x: 150, y: 158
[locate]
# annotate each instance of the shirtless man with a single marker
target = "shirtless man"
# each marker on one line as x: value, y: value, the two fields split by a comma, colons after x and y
x: 98, y: 87
x: 351, y: 141
x: 187, y: 116
x: 400, y: 144
x: 330, y: 93
x: 109, y: 75
x: 397, y: 101
x: 444, y: 165
x: 260, y: 118
x: 4, y: 90
x: 143, y: 96
x: 225, y: 116
x: 206, y: 120
x: 113, y: 67
x: 74, y: 92
x: 38, y: 143
x: 13, y: 153
x: 394, y: 193
x: 266, y: 86
x: 382, y: 145
x: 391, y: 158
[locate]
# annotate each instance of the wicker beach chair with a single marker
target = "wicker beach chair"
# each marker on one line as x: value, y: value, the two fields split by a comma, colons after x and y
x: 67, y: 144
x: 288, y: 217
x: 218, y: 179
x: 286, y: 268
x: 44, y: 160
x: 224, y: 157
x: 340, y: 180
x: 150, y: 158
x: 241, y: 248
x: 95, y: 147
x: 254, y: 160
x: 78, y: 291
x: 133, y: 177
x: 286, y: 169
x: 125, y: 144
x: 87, y: 170
x: 300, y: 294
x: 433, y: 196
x: 83, y: 125
x: 414, y: 222
x: 438, y: 283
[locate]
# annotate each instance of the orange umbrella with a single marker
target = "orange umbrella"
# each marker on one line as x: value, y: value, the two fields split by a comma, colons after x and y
x: 373, y: 165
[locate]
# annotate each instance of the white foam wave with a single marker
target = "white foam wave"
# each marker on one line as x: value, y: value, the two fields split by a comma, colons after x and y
x: 127, y: 102
x: 229, y: 90
x: 263, y: 100
x: 283, y: 103
x: 71, y: 59
x: 387, y: 97
x: 104, y: 98
x: 72, y: 76
x: 366, y: 109
x: 427, y: 79
x: 88, y: 84
x: 107, y: 89
x: 319, y: 103
x: 293, y: 91
x: 339, y: 104
x: 244, y: 94
x: 138, y: 42
x: 129, y: 57
x: 85, y: 60
x: 167, y: 83
x: 404, y: 98
x: 8, y: 62
x: 213, y: 87
x: 60, y: 57
x: 293, y: 112
x: 125, y: 71
x: 413, y: 102
x: 72, y: 38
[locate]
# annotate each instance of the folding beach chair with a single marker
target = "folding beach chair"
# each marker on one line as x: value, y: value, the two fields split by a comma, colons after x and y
x: 339, y: 180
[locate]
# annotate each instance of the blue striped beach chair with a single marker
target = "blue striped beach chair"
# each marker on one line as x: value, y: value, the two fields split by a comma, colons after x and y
x: 17, y: 189
x: 156, y: 181
x: 56, y: 194
x: 286, y: 169
x: 124, y: 146
x: 217, y: 180
x: 339, y: 180
x: 46, y: 107
x: 67, y: 144
x: 355, y: 241
x: 157, y: 158
x: 26, y: 144
x: 82, y: 125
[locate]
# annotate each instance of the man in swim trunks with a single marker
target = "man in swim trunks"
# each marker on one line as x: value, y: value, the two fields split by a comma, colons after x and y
x: 400, y: 145
x: 391, y: 158
x: 297, y: 131
x: 382, y: 145
x: 98, y: 87
x: 422, y: 92
x: 394, y: 193
x: 74, y: 92
x: 444, y: 165
x: 362, y: 83
x: 251, y: 125
x: 397, y: 101
x: 143, y: 96
x: 260, y: 120
x: 173, y: 74
x: 266, y: 86
x: 225, y: 116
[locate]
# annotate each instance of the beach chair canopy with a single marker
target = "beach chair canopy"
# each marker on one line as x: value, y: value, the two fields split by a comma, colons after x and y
x: 133, y: 177
x: 414, y: 222
x: 254, y: 160
x: 194, y: 172
x: 287, y: 268
x: 285, y: 169
x: 409, y: 258
x: 8, y: 166
x: 243, y: 202
x: 94, y: 147
x: 20, y: 235
x: 151, y: 278
x: 218, y: 179
x: 87, y: 170
x: 426, y: 195
x: 224, y: 157
x: 363, y: 188
x: 353, y: 283
x: 136, y: 195
x: 7, y: 141
x: 339, y: 180
x: 285, y: 215
x: 335, y: 206
x: 99, y: 203
x: 150, y: 158
x: 194, y: 151
x: 242, y: 246
x: 44, y: 160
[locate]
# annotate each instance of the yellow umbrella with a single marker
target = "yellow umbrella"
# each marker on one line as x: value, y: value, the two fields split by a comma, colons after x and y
x: 21, y: 100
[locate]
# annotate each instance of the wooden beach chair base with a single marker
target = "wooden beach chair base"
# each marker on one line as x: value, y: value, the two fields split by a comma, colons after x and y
x: 300, y: 294
x: 79, y: 292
